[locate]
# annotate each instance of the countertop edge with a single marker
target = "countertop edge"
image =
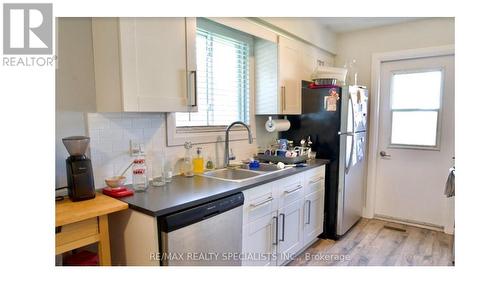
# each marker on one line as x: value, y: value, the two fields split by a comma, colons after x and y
x: 219, y: 195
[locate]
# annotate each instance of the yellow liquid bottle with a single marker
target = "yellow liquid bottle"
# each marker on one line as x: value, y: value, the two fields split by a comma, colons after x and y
x: 198, y: 162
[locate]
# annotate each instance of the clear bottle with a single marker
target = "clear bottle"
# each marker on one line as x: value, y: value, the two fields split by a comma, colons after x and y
x: 198, y: 162
x: 140, y: 175
x: 188, y: 160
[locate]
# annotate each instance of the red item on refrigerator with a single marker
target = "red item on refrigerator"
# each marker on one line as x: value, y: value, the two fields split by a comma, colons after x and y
x: 117, y: 192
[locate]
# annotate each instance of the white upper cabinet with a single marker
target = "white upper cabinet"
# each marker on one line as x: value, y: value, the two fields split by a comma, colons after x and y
x: 289, y: 56
x: 145, y: 64
x: 279, y: 71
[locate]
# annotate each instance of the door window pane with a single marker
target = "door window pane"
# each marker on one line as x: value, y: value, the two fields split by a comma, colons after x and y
x: 414, y: 128
x: 416, y: 90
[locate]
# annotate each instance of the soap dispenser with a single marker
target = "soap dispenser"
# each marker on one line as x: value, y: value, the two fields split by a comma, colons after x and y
x: 198, y: 163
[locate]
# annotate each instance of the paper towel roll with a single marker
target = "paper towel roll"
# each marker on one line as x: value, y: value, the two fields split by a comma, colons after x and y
x: 277, y: 125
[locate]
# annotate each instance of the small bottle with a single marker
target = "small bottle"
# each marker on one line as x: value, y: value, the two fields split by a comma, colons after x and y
x: 210, y: 164
x: 188, y: 160
x: 140, y: 176
x: 198, y: 162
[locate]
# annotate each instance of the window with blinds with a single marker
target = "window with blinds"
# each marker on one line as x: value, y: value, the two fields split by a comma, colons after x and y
x: 222, y: 79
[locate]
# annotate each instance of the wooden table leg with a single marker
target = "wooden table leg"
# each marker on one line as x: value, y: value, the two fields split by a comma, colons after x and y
x: 103, y: 245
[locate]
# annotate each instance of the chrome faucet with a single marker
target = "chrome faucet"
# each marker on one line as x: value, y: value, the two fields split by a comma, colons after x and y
x: 226, y: 147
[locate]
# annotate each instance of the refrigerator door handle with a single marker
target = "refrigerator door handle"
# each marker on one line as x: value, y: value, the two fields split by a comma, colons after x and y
x: 351, y: 134
x: 348, y: 167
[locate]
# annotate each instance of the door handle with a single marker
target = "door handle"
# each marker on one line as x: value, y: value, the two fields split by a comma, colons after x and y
x: 316, y: 181
x: 308, y: 211
x: 384, y: 154
x: 193, y: 91
x: 283, y: 99
x: 282, y: 227
x: 269, y: 199
x: 293, y: 190
x: 275, y: 242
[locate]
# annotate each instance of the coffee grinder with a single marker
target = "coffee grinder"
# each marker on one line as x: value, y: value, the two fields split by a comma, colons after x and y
x: 79, y: 169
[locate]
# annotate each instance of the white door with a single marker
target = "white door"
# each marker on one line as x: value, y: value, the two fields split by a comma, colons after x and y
x: 416, y: 140
x: 289, y: 231
x: 290, y: 76
x: 259, y: 241
x: 313, y: 215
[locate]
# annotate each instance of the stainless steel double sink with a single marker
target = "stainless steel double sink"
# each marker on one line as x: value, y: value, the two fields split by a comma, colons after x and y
x: 243, y: 172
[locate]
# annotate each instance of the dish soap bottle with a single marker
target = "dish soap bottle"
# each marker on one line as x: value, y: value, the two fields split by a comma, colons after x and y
x: 188, y: 161
x: 198, y: 162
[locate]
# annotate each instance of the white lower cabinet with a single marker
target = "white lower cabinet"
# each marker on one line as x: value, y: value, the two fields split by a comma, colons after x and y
x: 313, y: 215
x: 289, y: 231
x: 282, y: 217
x: 259, y: 241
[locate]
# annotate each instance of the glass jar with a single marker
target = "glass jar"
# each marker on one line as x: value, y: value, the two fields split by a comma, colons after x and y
x: 187, y: 167
x: 157, y: 171
x: 139, y: 175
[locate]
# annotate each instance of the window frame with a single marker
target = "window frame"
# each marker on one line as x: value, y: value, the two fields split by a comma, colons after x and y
x: 176, y: 136
x: 435, y: 147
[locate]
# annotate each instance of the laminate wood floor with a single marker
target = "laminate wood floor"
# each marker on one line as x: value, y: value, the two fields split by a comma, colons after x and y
x: 370, y: 243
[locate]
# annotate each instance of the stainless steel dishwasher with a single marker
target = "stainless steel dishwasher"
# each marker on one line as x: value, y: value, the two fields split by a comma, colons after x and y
x: 208, y: 234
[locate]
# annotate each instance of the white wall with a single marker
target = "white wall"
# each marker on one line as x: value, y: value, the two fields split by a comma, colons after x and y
x: 307, y: 29
x: 75, y: 89
x: 411, y: 35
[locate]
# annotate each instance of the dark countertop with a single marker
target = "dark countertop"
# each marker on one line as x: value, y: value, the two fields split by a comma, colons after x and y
x: 184, y: 192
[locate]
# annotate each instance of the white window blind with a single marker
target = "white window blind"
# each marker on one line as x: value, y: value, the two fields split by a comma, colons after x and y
x: 222, y: 80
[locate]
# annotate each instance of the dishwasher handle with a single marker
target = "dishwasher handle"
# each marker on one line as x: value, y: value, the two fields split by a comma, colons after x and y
x: 199, y: 213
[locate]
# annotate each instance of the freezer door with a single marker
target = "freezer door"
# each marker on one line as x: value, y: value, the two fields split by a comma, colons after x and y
x: 359, y: 107
x: 351, y: 181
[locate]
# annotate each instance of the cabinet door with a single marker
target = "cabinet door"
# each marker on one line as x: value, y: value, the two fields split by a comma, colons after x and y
x: 290, y: 231
x: 259, y: 241
x: 155, y: 56
x: 289, y: 76
x: 313, y: 215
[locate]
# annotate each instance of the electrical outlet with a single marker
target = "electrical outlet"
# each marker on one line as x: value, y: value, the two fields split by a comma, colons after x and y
x: 136, y: 148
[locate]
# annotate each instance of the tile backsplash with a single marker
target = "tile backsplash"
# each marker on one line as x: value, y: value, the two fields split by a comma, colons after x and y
x: 111, y: 133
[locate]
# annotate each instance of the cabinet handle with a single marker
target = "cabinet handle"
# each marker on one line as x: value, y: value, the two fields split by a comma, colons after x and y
x: 293, y: 190
x: 269, y: 199
x: 282, y: 227
x: 195, y: 102
x: 284, y: 98
x: 275, y: 242
x: 308, y: 211
x: 318, y: 180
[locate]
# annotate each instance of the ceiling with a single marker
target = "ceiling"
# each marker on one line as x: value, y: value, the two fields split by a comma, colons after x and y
x: 339, y: 25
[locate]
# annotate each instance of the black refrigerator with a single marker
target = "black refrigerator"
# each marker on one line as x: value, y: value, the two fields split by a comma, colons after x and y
x: 335, y: 119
